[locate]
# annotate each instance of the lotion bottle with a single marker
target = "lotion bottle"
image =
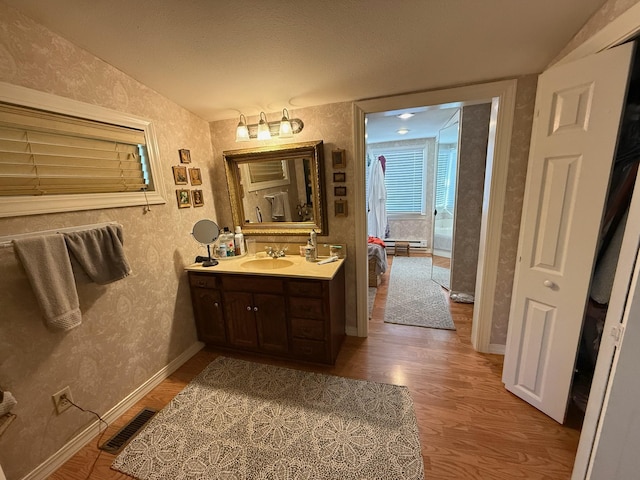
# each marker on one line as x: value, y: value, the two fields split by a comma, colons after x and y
x: 239, y: 242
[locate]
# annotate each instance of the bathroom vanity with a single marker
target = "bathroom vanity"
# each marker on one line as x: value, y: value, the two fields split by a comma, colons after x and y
x: 284, y: 307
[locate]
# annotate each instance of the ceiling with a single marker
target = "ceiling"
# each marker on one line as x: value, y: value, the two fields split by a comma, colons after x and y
x: 218, y: 58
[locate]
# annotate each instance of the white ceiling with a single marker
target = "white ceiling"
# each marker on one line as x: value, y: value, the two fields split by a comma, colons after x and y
x: 218, y: 58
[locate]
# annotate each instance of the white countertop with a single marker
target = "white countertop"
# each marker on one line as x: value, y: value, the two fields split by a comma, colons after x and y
x: 296, y: 266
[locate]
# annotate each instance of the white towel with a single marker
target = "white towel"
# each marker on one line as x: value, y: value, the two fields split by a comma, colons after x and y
x: 100, y: 253
x: 277, y: 206
x: 46, y: 262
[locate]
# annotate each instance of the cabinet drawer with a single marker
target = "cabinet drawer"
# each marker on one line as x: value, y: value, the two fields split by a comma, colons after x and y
x: 252, y: 284
x: 309, y: 349
x: 306, y: 308
x: 305, y: 288
x: 203, y: 281
x: 311, y: 329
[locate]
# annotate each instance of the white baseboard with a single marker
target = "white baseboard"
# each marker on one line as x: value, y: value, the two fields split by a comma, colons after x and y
x: 496, y: 348
x: 56, y: 460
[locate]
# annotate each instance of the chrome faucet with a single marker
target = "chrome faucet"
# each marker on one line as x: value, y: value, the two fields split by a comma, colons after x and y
x: 275, y: 253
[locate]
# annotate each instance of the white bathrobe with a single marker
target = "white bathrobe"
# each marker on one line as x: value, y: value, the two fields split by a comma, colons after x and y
x: 377, y: 201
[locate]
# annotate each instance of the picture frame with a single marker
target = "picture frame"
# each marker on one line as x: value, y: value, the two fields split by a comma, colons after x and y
x: 184, y: 198
x: 180, y: 175
x: 340, y: 191
x: 195, y: 176
x: 197, y: 197
x: 340, y: 208
x: 339, y: 177
x: 338, y: 158
x: 185, y: 155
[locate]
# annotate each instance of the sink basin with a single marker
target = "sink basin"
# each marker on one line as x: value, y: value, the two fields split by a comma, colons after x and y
x: 267, y: 263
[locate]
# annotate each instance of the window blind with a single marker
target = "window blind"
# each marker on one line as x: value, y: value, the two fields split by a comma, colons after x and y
x: 44, y: 153
x: 404, y: 180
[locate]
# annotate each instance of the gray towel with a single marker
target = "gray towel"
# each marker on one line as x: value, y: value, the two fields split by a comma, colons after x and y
x: 100, y: 253
x: 46, y: 262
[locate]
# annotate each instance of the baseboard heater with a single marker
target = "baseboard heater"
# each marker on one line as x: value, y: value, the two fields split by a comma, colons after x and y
x: 418, y: 246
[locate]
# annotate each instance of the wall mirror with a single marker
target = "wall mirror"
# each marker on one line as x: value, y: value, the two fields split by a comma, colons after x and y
x: 278, y: 189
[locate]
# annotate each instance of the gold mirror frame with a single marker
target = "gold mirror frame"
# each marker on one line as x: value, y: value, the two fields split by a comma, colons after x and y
x: 237, y: 160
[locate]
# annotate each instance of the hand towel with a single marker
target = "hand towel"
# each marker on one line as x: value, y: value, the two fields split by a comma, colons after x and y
x: 100, y: 253
x: 7, y: 402
x: 277, y: 206
x: 46, y: 261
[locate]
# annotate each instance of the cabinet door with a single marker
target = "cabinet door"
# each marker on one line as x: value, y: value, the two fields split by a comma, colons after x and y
x: 239, y: 313
x: 272, y: 322
x: 208, y: 315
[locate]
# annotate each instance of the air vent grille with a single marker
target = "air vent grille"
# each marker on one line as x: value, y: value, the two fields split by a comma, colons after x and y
x: 130, y: 430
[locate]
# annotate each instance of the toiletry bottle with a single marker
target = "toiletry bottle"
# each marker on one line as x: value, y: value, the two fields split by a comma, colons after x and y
x: 227, y: 238
x: 239, y: 242
x: 314, y: 243
x: 310, y: 252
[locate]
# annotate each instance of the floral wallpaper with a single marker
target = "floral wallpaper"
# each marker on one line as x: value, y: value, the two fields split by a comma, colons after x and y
x: 131, y: 328
x: 474, y: 133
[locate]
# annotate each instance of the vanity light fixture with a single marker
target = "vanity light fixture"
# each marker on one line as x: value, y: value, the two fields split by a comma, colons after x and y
x: 242, y: 132
x: 286, y: 130
x: 264, y: 130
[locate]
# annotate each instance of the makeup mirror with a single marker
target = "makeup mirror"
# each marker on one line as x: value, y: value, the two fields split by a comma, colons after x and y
x: 206, y: 233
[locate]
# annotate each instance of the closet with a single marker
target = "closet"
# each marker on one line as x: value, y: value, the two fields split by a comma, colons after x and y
x: 582, y: 170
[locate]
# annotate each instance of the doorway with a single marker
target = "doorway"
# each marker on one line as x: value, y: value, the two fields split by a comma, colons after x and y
x: 502, y: 97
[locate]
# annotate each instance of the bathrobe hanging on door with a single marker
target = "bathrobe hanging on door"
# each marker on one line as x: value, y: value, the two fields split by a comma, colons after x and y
x: 377, y: 201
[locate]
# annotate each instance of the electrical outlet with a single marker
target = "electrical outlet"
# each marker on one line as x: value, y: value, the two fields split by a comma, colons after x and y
x: 60, y: 400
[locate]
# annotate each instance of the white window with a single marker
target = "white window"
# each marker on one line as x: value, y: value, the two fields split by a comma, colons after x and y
x: 60, y: 155
x: 404, y: 179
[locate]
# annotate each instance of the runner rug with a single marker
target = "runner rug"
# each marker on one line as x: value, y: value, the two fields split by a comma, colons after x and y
x: 413, y: 298
x: 243, y: 420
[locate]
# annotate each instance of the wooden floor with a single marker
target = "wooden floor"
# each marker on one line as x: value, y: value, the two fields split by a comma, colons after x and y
x: 470, y: 426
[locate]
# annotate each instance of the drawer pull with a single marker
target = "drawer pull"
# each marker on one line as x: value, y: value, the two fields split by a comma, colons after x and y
x: 215, y: 304
x: 248, y: 308
x: 202, y: 283
x: 255, y: 309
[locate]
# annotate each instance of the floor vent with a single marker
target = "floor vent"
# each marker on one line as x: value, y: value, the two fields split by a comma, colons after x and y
x: 126, y: 433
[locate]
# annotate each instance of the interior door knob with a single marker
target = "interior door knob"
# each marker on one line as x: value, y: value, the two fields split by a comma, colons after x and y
x: 548, y: 284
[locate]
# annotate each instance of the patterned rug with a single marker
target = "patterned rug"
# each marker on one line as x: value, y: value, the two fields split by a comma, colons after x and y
x: 413, y: 298
x: 243, y: 420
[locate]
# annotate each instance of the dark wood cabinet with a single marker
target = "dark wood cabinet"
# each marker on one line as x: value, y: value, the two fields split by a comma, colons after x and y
x: 297, y: 318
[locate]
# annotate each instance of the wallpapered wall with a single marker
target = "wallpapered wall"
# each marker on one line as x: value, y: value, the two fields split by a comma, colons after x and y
x: 132, y: 328
x: 474, y: 133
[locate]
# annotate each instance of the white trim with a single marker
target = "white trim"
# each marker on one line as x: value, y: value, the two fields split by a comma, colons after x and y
x: 619, y: 30
x: 351, y: 331
x: 18, y: 206
x: 496, y: 348
x: 505, y: 91
x: 55, y: 461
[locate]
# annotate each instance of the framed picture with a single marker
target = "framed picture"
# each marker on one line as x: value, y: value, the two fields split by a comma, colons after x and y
x: 195, y: 176
x: 340, y: 208
x: 338, y: 158
x: 180, y: 175
x: 198, y: 198
x: 185, y: 155
x: 184, y: 198
x: 339, y: 177
x: 340, y: 191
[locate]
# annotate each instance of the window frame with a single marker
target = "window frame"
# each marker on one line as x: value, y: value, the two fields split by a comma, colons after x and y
x: 20, y: 205
x: 376, y: 151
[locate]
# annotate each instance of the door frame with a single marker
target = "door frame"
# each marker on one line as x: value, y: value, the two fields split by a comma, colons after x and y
x: 493, y: 203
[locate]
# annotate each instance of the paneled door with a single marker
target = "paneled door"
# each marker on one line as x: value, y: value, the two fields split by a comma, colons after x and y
x: 577, y: 117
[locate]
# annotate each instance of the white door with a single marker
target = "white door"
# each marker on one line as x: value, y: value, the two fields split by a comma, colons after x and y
x: 577, y: 116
